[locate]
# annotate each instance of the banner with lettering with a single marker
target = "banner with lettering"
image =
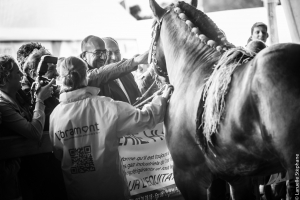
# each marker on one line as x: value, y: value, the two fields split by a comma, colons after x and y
x: 148, y: 165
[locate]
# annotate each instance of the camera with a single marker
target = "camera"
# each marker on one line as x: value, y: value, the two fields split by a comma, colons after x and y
x: 40, y: 80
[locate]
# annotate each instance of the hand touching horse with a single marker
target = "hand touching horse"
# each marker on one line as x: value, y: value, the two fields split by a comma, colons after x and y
x: 149, y: 84
x: 249, y: 123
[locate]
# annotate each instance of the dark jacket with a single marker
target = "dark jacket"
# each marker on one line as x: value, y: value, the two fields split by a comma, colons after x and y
x: 50, y: 103
x: 113, y: 90
x: 104, y: 78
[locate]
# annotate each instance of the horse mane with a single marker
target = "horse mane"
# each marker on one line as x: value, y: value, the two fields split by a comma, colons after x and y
x: 205, y: 24
x: 197, y: 53
x: 218, y: 78
x: 216, y: 88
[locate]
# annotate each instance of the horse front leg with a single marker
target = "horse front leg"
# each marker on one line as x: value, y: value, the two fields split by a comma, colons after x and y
x: 192, y: 184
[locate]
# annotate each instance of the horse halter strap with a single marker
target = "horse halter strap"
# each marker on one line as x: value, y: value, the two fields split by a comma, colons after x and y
x: 152, y: 53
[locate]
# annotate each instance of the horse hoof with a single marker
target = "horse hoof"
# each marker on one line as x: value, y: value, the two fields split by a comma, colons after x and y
x: 219, y: 48
x: 183, y: 16
x: 177, y: 10
x: 189, y: 23
x: 211, y: 43
x: 196, y: 30
x: 203, y: 38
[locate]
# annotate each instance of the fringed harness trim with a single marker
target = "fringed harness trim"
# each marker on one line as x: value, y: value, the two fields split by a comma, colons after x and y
x: 215, y: 90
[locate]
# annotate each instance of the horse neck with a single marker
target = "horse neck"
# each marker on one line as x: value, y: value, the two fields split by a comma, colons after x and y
x: 185, y: 54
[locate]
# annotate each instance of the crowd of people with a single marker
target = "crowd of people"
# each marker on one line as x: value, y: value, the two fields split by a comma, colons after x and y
x: 94, y: 96
x: 95, y: 90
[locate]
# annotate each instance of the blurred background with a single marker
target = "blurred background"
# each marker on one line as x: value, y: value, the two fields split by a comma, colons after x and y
x: 60, y: 25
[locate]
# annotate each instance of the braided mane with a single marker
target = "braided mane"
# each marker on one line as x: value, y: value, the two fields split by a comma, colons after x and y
x: 202, y: 21
x: 205, y: 24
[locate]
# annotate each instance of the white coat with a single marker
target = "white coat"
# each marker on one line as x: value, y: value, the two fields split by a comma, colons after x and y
x: 84, y: 130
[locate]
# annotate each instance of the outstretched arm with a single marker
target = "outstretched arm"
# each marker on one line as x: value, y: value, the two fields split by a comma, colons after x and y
x: 115, y: 70
x: 132, y: 120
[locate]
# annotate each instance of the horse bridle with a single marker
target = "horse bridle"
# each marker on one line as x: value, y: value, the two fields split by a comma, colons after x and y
x: 152, y: 52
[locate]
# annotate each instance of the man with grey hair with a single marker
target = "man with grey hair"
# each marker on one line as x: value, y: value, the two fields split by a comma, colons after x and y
x: 104, y: 69
x: 125, y: 87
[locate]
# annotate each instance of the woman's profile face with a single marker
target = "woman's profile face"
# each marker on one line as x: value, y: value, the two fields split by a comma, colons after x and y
x: 260, y: 33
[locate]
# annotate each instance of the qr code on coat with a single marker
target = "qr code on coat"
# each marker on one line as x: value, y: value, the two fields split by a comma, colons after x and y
x: 82, y: 160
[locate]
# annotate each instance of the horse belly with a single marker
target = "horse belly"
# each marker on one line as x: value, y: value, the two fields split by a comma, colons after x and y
x: 239, y: 163
x: 237, y: 152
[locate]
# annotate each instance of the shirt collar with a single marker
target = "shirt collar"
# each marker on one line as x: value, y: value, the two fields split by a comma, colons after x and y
x: 79, y: 94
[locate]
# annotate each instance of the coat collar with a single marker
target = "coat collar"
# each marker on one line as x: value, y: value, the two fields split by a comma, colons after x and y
x: 79, y: 94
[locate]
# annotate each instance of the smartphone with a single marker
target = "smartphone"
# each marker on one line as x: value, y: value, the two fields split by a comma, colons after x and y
x: 43, y: 64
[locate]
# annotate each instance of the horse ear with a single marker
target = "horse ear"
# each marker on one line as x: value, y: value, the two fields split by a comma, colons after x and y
x: 194, y: 3
x: 191, y: 2
x: 158, y: 12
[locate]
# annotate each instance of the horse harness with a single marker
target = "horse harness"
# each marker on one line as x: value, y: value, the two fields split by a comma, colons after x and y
x: 152, y: 52
x: 152, y: 60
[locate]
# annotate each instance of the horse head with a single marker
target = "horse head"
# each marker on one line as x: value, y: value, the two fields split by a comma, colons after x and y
x: 182, y: 25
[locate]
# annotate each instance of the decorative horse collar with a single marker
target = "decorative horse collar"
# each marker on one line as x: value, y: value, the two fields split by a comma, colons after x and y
x: 152, y: 52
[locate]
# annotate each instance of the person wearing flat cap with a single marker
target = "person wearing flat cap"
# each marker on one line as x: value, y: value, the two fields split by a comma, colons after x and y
x: 84, y: 131
x: 107, y: 71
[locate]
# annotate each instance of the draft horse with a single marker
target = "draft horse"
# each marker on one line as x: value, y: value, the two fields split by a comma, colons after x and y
x: 250, y: 119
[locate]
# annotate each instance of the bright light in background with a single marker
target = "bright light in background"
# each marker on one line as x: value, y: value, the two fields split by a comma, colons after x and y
x: 235, y: 23
x: 60, y: 25
x: 63, y: 31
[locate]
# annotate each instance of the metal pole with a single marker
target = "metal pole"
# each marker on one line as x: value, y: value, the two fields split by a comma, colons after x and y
x: 272, y: 20
x: 200, y: 5
x: 291, y: 10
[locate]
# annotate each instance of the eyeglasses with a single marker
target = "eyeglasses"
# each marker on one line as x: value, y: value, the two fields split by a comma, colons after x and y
x: 109, y: 53
x: 99, y: 53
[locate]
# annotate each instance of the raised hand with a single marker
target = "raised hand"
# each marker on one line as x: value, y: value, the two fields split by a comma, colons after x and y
x: 46, y: 91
